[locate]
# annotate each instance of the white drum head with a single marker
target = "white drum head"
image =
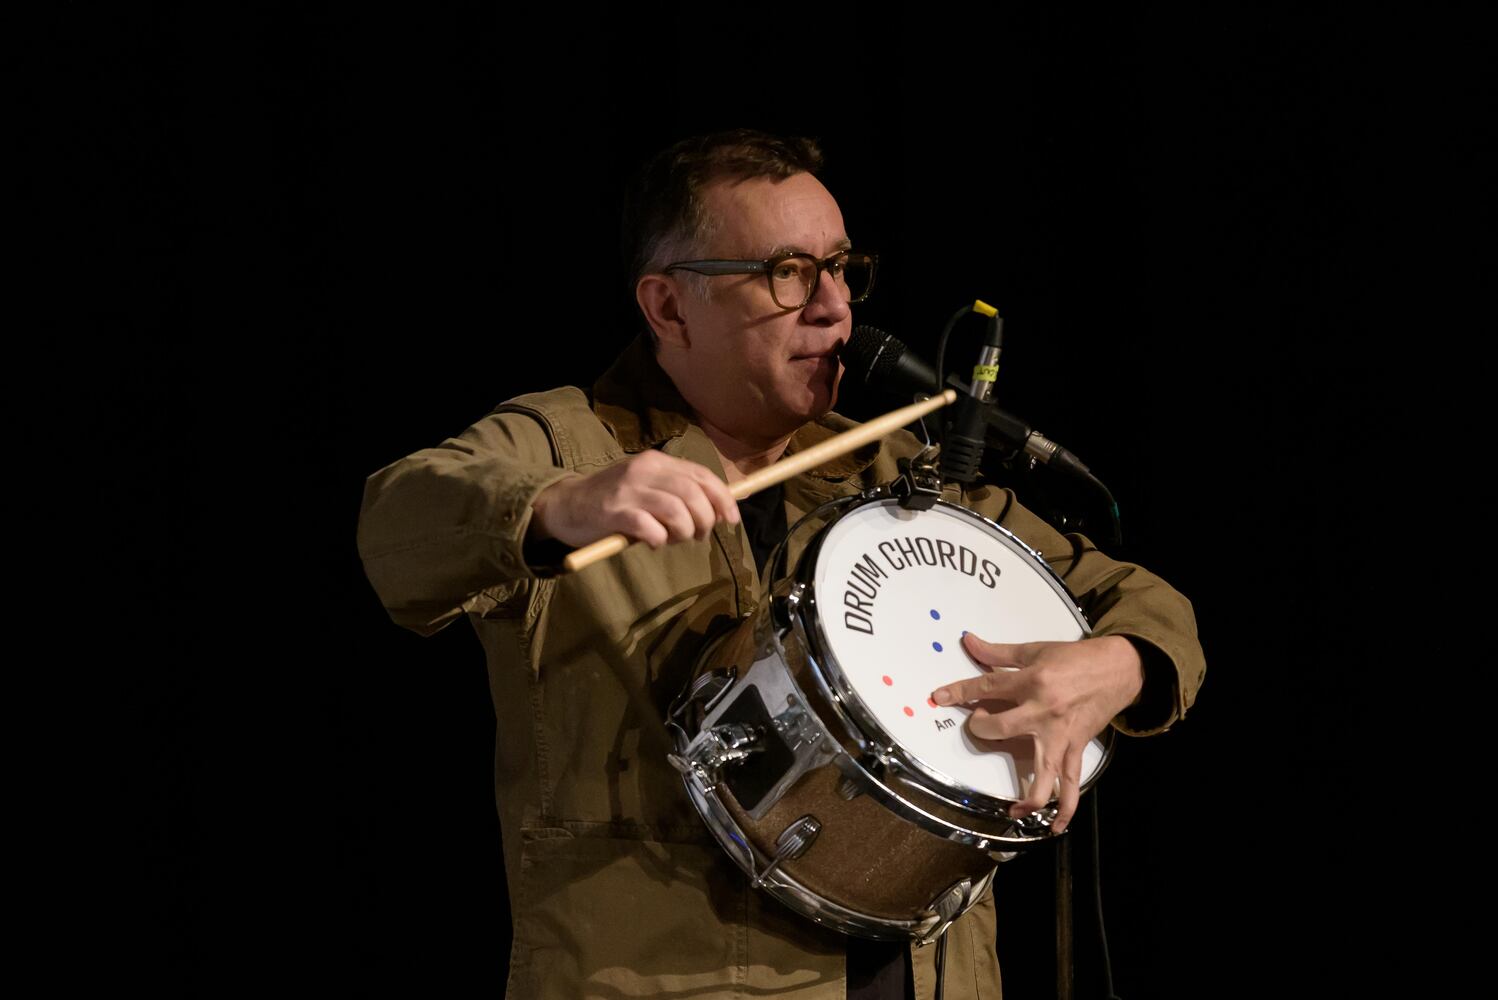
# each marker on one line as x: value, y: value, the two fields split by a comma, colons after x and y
x: 895, y: 590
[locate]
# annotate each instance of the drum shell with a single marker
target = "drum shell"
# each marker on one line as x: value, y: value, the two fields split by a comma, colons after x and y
x: 869, y: 872
x: 866, y: 858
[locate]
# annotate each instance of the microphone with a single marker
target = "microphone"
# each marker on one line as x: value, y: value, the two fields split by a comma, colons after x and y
x: 881, y: 361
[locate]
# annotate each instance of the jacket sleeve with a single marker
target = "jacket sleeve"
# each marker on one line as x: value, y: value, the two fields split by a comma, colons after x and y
x: 438, y: 527
x: 1119, y: 598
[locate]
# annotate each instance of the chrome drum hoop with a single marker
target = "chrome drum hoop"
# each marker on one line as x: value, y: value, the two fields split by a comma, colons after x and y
x: 874, y: 743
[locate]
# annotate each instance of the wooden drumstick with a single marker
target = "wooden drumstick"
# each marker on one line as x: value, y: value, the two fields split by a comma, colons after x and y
x: 783, y: 469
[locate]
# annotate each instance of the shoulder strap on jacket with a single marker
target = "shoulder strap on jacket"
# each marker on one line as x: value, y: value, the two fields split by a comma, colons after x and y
x: 578, y: 438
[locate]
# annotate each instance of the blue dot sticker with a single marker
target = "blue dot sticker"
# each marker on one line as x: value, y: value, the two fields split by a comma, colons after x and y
x: 936, y: 614
x: 936, y: 646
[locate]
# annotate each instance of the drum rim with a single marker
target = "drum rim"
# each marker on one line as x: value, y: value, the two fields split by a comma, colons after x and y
x: 868, y: 729
x: 972, y: 826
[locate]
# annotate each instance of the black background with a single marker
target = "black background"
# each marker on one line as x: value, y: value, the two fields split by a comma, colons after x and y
x: 332, y: 237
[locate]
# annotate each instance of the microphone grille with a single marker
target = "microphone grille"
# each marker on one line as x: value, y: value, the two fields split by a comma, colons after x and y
x: 872, y: 354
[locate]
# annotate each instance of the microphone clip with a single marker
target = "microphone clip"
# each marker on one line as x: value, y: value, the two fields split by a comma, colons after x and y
x: 965, y: 437
x: 918, y: 486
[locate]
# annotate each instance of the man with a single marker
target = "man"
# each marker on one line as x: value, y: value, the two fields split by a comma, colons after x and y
x: 616, y: 887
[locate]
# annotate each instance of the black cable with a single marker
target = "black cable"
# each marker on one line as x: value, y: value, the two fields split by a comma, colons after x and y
x: 941, y: 964
x: 1097, y: 895
x: 1112, y: 508
x: 941, y: 355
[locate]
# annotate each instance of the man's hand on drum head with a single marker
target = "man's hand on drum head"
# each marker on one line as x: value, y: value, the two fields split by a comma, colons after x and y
x: 1061, y: 693
x: 651, y: 497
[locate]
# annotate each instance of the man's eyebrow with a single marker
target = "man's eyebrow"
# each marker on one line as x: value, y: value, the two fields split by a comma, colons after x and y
x: 775, y: 251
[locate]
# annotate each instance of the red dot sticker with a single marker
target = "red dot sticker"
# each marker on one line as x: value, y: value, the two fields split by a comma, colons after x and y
x: 930, y: 702
x: 888, y: 681
x: 909, y: 710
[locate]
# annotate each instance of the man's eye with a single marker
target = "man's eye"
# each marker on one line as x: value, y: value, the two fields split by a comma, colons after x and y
x: 836, y: 267
x: 785, y: 272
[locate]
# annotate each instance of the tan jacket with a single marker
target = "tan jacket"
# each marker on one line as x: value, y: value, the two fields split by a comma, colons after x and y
x: 617, y: 889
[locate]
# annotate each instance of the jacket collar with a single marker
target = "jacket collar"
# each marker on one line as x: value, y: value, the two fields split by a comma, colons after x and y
x: 640, y: 404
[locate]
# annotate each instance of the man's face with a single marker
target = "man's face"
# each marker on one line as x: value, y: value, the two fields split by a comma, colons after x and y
x: 752, y: 368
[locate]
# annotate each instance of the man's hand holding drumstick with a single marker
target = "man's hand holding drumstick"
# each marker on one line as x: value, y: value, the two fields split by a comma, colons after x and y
x: 651, y: 497
x: 632, y: 499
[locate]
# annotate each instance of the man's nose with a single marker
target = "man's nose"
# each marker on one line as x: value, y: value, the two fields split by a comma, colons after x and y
x: 827, y: 304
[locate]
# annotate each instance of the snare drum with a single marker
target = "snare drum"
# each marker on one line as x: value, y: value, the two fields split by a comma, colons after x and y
x: 808, y: 742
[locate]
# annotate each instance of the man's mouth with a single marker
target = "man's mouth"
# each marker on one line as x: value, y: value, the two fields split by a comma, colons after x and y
x: 831, y: 354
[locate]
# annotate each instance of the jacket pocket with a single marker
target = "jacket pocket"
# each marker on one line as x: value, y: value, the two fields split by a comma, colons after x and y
x: 610, y: 918
x: 605, y: 918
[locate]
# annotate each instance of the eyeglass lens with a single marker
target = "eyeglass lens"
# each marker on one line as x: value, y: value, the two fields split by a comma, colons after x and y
x: 794, y: 279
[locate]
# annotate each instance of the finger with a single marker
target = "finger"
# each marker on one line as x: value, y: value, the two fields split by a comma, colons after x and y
x: 1044, y: 786
x: 724, y: 504
x: 1000, y: 721
x: 671, y: 510
x: 1001, y: 684
x: 994, y: 654
x: 698, y: 505
x: 639, y: 525
x: 1007, y: 720
x: 1071, y: 788
x: 668, y: 472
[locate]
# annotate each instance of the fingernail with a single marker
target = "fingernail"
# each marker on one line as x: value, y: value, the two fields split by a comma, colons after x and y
x: 941, y: 696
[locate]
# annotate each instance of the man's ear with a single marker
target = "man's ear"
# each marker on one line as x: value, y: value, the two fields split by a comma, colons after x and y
x: 660, y: 299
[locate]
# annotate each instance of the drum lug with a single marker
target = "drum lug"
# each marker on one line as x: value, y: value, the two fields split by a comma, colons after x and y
x: 711, y: 686
x: 947, y: 907
x: 794, y: 841
x: 702, y: 694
